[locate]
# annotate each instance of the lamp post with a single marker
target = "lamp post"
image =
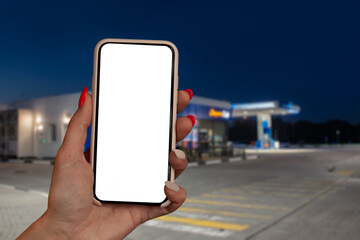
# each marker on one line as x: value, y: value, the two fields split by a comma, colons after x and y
x: 338, y: 136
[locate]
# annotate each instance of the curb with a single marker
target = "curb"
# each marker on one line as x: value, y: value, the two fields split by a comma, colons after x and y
x: 30, y: 161
x: 223, y: 160
x: 43, y: 194
x: 190, y: 164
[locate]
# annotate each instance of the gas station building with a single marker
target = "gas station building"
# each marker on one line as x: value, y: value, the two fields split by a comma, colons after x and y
x: 214, y: 116
x: 35, y: 128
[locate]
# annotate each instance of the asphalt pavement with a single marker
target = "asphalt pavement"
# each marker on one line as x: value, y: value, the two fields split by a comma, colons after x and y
x: 311, y: 194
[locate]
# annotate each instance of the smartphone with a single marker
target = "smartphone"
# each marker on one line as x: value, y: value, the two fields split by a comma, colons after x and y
x: 134, y: 91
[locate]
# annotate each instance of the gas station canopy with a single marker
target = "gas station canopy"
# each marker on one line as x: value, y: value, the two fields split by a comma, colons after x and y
x: 263, y: 112
x: 271, y: 107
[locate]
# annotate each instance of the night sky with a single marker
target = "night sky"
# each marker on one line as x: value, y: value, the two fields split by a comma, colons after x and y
x: 307, y: 52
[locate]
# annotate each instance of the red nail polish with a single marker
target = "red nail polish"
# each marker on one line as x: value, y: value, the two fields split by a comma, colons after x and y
x: 192, y: 118
x: 83, y: 96
x: 190, y: 92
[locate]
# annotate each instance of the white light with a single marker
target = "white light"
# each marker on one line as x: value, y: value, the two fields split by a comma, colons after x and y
x: 254, y: 106
x: 38, y: 119
x: 225, y: 114
x: 66, y: 119
x: 41, y: 127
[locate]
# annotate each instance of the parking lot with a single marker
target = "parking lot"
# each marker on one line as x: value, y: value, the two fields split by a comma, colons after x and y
x: 311, y: 194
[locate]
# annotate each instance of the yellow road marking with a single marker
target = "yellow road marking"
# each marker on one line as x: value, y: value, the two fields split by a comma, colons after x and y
x: 353, y: 180
x: 280, y: 188
x: 223, y: 196
x: 318, y: 180
x: 312, y: 180
x: 204, y: 223
x: 225, y: 213
x: 295, y: 186
x: 300, y: 181
x: 266, y: 193
x: 324, y: 187
x: 217, y: 203
x: 345, y: 173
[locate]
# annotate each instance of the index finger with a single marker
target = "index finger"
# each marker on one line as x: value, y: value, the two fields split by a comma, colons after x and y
x: 76, y: 133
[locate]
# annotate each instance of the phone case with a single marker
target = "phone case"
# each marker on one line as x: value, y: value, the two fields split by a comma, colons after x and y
x: 94, y: 94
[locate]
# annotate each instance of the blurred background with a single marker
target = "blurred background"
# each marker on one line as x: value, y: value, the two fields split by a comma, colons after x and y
x: 274, y: 153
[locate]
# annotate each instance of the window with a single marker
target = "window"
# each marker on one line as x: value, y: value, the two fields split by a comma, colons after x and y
x: 52, y: 132
x: 11, y: 131
x: 2, y: 132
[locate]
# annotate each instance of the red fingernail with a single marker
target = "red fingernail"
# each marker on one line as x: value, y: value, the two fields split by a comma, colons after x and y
x: 192, y: 118
x: 83, y: 96
x: 190, y: 92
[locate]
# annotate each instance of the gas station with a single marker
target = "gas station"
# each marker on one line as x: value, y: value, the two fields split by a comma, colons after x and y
x: 35, y: 127
x: 263, y: 111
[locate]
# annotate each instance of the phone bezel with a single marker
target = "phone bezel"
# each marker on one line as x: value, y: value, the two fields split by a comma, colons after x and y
x: 173, y: 90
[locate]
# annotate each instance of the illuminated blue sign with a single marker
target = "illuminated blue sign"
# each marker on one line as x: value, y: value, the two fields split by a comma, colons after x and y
x: 206, y: 112
x: 253, y: 106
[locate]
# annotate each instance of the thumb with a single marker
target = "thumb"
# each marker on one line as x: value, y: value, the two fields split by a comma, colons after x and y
x: 75, y: 136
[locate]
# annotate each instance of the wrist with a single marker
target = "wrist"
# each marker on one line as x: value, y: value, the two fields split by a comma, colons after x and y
x: 43, y: 228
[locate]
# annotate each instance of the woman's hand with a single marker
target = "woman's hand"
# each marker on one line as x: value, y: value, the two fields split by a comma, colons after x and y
x: 71, y: 213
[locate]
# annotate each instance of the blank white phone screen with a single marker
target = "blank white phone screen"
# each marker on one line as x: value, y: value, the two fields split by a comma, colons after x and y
x: 133, y: 122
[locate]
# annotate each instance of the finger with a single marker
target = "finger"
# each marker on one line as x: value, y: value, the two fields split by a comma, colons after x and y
x: 184, y: 98
x: 184, y: 126
x: 175, y: 194
x: 76, y: 133
x: 178, y: 161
